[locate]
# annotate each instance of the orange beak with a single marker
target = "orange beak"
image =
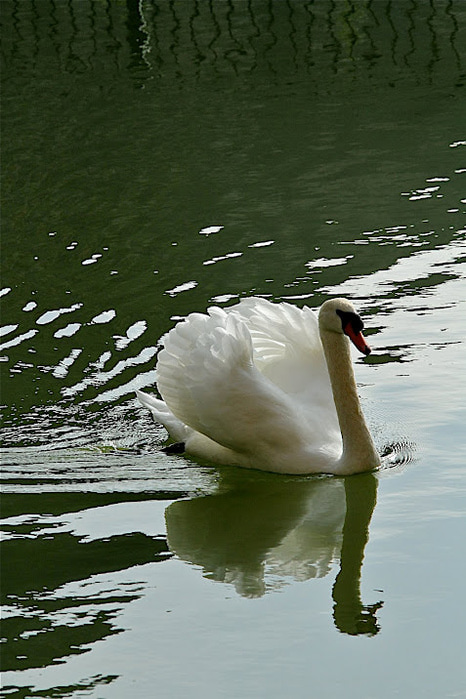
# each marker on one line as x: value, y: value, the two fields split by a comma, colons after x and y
x: 357, y: 339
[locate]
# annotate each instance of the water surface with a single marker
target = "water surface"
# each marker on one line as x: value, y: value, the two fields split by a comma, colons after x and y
x: 159, y: 158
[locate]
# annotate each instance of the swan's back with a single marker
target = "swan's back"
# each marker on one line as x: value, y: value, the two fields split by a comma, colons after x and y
x: 251, y: 377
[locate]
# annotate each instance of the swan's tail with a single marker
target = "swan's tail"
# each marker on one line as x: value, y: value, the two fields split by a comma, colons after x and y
x: 177, y: 430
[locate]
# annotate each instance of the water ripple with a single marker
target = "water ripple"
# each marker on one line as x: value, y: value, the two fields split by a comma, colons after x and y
x: 103, y: 377
x: 398, y: 454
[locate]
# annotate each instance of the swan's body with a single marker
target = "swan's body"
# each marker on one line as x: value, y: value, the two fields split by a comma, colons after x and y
x: 266, y: 386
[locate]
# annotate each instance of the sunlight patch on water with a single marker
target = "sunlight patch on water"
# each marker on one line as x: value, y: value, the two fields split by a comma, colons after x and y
x: 62, y: 369
x: 99, y: 377
x: 220, y: 258
x: 29, y: 306
x: 92, y: 259
x: 322, y: 262
x: 209, y: 230
x: 179, y: 288
x: 50, y: 316
x: 224, y: 298
x: 7, y: 329
x: 134, y: 331
x: 104, y: 317
x: 264, y: 244
x: 142, y: 380
x: 417, y: 267
x: 68, y: 331
x: 93, y: 523
x: 19, y: 339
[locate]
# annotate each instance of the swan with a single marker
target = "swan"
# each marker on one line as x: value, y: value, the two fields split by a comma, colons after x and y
x: 266, y: 386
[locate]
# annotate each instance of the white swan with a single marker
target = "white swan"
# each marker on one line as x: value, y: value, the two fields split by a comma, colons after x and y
x: 266, y: 386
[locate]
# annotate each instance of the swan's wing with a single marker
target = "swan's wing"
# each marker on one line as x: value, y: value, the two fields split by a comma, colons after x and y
x: 208, y: 379
x: 250, y: 376
x: 288, y: 351
x: 279, y: 324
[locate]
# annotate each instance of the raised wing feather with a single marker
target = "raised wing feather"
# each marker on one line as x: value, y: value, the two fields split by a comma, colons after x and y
x: 250, y: 375
x: 288, y: 351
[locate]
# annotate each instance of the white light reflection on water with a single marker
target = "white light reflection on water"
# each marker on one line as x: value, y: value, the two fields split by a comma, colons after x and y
x: 179, y: 288
x: 50, y: 316
x: 134, y: 331
x: 6, y: 329
x: 100, y: 377
x: 18, y: 339
x: 68, y: 331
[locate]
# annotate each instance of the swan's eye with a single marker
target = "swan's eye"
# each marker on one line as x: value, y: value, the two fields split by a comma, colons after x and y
x: 352, y: 319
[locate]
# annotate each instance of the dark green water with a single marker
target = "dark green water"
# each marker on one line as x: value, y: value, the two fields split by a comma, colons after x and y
x: 159, y: 157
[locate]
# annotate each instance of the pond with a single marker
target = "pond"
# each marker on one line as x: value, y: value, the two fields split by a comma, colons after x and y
x: 160, y: 158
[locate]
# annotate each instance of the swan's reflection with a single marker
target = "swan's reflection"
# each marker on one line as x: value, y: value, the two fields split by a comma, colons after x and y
x: 259, y: 530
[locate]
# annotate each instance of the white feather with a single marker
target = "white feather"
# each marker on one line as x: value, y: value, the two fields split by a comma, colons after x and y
x: 249, y: 385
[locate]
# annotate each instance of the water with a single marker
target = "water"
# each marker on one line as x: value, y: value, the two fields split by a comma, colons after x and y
x: 162, y: 157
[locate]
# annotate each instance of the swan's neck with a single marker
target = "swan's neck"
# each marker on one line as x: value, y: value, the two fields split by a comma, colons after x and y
x: 359, y: 453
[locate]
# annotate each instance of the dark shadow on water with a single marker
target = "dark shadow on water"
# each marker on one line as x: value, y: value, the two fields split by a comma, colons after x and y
x: 62, y: 692
x: 55, y: 606
x: 260, y: 532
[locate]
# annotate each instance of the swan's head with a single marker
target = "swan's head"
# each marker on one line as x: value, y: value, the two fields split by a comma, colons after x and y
x: 339, y: 316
